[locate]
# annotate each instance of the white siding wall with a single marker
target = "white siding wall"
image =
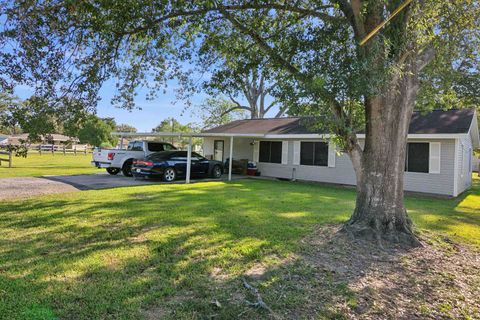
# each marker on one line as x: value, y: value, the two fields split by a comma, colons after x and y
x: 440, y: 183
x: 464, y: 164
x: 242, y: 148
x: 343, y: 173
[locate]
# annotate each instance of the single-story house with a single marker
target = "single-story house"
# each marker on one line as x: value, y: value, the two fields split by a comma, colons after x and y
x: 439, y: 152
x: 51, y: 139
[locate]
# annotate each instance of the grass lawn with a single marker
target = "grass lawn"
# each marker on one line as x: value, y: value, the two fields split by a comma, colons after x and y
x: 47, y: 165
x: 175, y: 251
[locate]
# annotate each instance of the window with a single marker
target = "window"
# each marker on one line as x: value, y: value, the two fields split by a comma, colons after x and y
x: 155, y: 147
x: 197, y: 157
x: 160, y: 156
x: 270, y: 151
x: 314, y: 154
x: 417, y: 159
x: 135, y: 146
x: 179, y: 156
x: 159, y: 146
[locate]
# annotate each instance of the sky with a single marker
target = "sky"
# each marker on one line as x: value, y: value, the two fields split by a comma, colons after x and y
x: 152, y: 111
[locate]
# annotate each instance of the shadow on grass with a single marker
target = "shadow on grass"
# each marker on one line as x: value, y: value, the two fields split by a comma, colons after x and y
x: 170, y: 250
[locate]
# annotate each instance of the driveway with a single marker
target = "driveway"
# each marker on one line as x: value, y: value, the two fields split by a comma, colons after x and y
x: 25, y: 187
x: 99, y: 181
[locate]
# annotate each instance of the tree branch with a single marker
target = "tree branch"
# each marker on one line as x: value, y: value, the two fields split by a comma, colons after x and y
x: 261, y: 43
x: 238, y: 105
x: 352, y: 13
x: 289, y: 8
x: 270, y: 106
x: 425, y: 57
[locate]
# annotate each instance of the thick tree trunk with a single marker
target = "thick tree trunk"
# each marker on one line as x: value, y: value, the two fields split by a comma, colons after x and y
x: 380, y: 212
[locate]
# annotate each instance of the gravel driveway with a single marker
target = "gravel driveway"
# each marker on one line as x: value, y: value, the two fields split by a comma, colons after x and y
x: 25, y: 187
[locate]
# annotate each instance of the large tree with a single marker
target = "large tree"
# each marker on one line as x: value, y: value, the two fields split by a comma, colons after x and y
x: 316, y: 46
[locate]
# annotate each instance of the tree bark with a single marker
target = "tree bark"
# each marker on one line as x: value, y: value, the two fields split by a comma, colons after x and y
x: 380, y: 213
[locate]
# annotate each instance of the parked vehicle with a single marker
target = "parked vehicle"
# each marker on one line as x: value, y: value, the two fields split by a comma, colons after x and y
x: 116, y: 160
x: 170, y: 165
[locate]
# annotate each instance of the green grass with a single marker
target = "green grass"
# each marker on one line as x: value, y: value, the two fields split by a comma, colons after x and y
x: 47, y: 164
x: 110, y: 254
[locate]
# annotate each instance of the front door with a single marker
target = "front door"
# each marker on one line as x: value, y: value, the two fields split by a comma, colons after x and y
x: 218, y: 150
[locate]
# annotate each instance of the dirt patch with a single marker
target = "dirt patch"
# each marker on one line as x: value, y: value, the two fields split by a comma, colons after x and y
x: 334, y: 277
x: 440, y: 280
x: 15, y: 188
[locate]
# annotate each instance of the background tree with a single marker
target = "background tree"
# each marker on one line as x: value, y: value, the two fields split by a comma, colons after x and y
x: 173, y: 125
x: 315, y: 47
x: 237, y: 70
x: 217, y: 111
x: 97, y: 132
x: 9, y: 104
x: 125, y: 128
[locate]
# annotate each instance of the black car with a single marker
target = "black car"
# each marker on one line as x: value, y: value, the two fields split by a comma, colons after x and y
x: 170, y: 165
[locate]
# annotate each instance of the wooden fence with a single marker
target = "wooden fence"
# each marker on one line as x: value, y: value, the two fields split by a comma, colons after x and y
x: 53, y: 149
x: 9, y: 159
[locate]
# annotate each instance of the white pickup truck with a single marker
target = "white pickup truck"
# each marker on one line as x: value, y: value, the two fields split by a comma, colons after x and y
x: 115, y: 160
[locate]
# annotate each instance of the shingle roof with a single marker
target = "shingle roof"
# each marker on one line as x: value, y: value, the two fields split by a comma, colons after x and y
x: 436, y: 122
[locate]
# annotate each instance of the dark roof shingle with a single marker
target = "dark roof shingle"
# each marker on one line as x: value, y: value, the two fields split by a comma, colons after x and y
x: 435, y: 122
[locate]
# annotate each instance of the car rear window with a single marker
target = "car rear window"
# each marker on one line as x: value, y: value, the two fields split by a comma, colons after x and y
x: 162, y: 155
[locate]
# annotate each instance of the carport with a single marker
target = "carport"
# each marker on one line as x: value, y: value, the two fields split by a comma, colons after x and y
x: 189, y: 136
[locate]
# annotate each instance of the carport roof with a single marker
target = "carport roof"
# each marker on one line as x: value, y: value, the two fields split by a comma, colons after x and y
x: 455, y: 121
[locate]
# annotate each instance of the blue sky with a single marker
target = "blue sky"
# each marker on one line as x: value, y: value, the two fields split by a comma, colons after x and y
x: 152, y: 111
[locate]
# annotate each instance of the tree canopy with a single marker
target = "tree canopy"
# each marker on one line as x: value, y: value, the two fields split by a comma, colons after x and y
x: 97, y: 132
x: 125, y: 128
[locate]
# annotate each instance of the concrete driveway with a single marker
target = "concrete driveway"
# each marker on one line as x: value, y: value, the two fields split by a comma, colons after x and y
x: 99, y: 181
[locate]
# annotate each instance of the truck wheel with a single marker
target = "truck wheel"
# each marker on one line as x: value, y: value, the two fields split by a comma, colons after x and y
x: 127, y: 168
x: 169, y: 175
x: 113, y: 171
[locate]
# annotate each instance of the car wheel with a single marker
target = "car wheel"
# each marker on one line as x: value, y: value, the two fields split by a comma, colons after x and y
x: 127, y: 168
x: 216, y: 172
x: 113, y: 171
x: 169, y: 175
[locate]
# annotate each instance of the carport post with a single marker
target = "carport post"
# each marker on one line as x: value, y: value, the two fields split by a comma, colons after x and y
x: 189, y: 159
x: 230, y: 160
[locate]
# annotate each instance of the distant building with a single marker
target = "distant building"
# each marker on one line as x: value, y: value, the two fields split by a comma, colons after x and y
x: 51, y: 139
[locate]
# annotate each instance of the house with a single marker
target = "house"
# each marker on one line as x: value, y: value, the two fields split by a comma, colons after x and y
x: 50, y: 139
x: 439, y: 152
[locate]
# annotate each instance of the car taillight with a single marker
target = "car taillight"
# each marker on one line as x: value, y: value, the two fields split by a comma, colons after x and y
x: 143, y: 163
x: 110, y: 155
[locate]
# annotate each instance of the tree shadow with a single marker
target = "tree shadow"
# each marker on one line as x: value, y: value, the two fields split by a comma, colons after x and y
x: 175, y: 251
